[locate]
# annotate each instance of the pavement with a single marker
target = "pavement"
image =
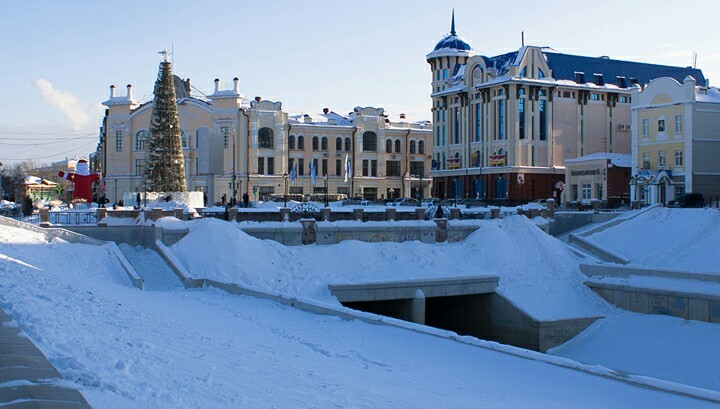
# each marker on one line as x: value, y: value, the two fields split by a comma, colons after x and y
x: 27, y: 378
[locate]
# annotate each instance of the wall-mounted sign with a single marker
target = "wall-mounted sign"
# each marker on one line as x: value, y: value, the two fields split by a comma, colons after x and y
x: 497, y: 160
x: 453, y: 163
x: 584, y: 172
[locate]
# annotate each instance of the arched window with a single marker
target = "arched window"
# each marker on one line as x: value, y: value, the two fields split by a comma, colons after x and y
x: 323, y: 144
x: 421, y: 147
x: 412, y: 147
x: 291, y: 142
x: 315, y: 143
x: 301, y: 142
x: 397, y: 146
x: 338, y: 144
x: 348, y: 144
x: 265, y: 138
x: 388, y: 146
x: 540, y: 73
x: 369, y: 141
x: 141, y: 140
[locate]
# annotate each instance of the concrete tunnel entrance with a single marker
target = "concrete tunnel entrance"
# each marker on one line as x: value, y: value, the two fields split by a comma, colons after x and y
x: 462, y: 305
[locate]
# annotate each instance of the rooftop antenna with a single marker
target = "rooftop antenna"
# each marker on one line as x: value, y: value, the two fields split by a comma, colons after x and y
x: 522, y: 38
x: 694, y: 60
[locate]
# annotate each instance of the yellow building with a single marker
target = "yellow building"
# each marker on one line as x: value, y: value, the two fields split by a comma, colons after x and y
x: 251, y: 145
x: 676, y: 140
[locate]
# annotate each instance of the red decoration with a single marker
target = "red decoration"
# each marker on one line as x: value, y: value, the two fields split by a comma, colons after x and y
x: 82, y: 179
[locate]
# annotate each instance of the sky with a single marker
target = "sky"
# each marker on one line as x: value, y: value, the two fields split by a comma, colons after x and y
x: 60, y: 58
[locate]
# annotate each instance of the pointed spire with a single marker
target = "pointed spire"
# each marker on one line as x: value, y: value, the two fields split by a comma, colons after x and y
x: 452, y: 25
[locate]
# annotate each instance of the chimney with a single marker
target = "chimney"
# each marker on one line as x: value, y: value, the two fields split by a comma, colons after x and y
x: 217, y: 85
x: 236, y: 84
x: 402, y: 116
x: 258, y: 99
x: 112, y: 91
x: 326, y: 110
x: 579, y: 77
x: 129, y: 92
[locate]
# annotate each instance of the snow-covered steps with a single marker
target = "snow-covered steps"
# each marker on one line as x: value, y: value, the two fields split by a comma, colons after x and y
x: 156, y: 274
x: 27, y: 378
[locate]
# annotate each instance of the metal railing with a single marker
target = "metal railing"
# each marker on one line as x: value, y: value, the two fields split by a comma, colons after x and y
x: 72, y: 217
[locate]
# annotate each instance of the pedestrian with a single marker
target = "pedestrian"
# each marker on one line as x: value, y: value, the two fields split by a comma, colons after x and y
x: 205, y: 199
x: 103, y: 200
x: 137, y: 199
x: 246, y: 200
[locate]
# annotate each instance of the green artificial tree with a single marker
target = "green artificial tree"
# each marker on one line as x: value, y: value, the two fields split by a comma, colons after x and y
x: 165, y: 170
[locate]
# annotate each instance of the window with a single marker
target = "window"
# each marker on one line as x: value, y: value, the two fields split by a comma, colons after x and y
x: 348, y: 145
x: 594, y: 97
x: 301, y: 143
x: 315, y: 143
x: 662, y: 159
x: 140, y: 140
x: 599, y: 191
x: 184, y: 139
x: 574, y: 192
x: 456, y: 127
x: 540, y: 73
x: 646, y: 160
x: 139, y: 167
x: 623, y: 99
x: 417, y: 168
x: 645, y: 127
x: 445, y: 73
x: 291, y: 142
x: 323, y: 144
x: 521, y: 118
x: 543, y: 119
x: 523, y: 72
x: 338, y: 167
x: 265, y: 138
x: 678, y: 158
x: 369, y: 141
x: 678, y: 123
x: 388, y: 146
x: 661, y: 125
x: 261, y: 166
x: 412, y: 147
x: 338, y: 144
x: 226, y: 136
x: 118, y: 141
x: 501, y: 119
x: 324, y: 167
x: 271, y: 166
x: 393, y: 168
x: 421, y: 147
x: 586, y: 191
x: 397, y: 146
x: 301, y: 166
x: 369, y: 167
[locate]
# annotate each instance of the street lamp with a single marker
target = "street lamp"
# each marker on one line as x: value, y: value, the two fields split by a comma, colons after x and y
x: 285, y: 178
x: 234, y: 175
x: 326, y: 190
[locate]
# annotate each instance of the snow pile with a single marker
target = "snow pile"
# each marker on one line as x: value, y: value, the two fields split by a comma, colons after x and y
x: 686, y: 239
x: 537, y: 272
x: 653, y: 345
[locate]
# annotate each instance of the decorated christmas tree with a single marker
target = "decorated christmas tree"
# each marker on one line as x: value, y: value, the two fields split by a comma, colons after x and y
x: 165, y: 169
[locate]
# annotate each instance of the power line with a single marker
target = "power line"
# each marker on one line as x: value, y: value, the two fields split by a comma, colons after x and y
x: 50, y: 156
x: 47, y: 143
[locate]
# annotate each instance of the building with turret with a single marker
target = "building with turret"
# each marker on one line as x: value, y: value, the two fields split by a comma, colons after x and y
x: 504, y: 126
x: 233, y: 145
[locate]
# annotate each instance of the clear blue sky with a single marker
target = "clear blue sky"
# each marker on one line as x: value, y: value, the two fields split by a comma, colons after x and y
x: 60, y: 57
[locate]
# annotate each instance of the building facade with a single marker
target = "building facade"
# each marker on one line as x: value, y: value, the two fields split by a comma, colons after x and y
x: 503, y: 126
x: 676, y: 140
x: 233, y: 145
x: 601, y: 176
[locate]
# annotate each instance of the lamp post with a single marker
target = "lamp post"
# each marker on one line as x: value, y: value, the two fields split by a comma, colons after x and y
x: 285, y: 178
x: 234, y: 175
x: 326, y: 190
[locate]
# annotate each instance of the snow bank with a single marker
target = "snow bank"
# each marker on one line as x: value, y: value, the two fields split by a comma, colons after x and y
x: 536, y: 271
x: 687, y: 239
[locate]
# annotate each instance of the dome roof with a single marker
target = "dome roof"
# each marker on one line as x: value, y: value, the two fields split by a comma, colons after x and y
x: 453, y: 42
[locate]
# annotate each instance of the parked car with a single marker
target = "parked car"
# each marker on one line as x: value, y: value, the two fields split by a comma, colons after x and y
x: 688, y: 200
x: 404, y: 201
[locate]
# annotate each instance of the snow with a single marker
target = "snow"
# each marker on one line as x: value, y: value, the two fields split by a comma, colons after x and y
x: 537, y: 272
x: 166, y: 347
x: 689, y: 349
x: 685, y: 239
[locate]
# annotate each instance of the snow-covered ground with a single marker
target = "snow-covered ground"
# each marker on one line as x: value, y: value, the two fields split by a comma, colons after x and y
x: 685, y: 239
x: 172, y: 348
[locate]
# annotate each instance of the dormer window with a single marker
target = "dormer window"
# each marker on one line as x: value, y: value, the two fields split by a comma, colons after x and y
x: 540, y: 73
x: 523, y: 72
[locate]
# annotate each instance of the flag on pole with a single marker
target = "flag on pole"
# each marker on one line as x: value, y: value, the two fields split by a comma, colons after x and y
x: 293, y: 172
x: 312, y: 172
x: 347, y: 167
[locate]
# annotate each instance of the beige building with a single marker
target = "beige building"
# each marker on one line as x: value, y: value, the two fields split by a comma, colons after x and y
x: 504, y: 126
x: 676, y: 140
x: 252, y: 145
x: 599, y: 176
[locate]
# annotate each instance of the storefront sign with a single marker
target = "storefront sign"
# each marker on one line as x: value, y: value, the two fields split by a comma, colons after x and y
x: 453, y: 163
x: 497, y: 160
x: 585, y: 172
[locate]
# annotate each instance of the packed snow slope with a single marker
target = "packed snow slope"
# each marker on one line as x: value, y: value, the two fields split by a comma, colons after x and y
x: 537, y: 272
x: 685, y: 239
x: 126, y: 348
x: 654, y: 345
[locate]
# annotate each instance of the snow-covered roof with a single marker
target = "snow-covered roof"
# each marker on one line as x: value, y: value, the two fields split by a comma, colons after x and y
x: 35, y: 180
x: 620, y: 160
